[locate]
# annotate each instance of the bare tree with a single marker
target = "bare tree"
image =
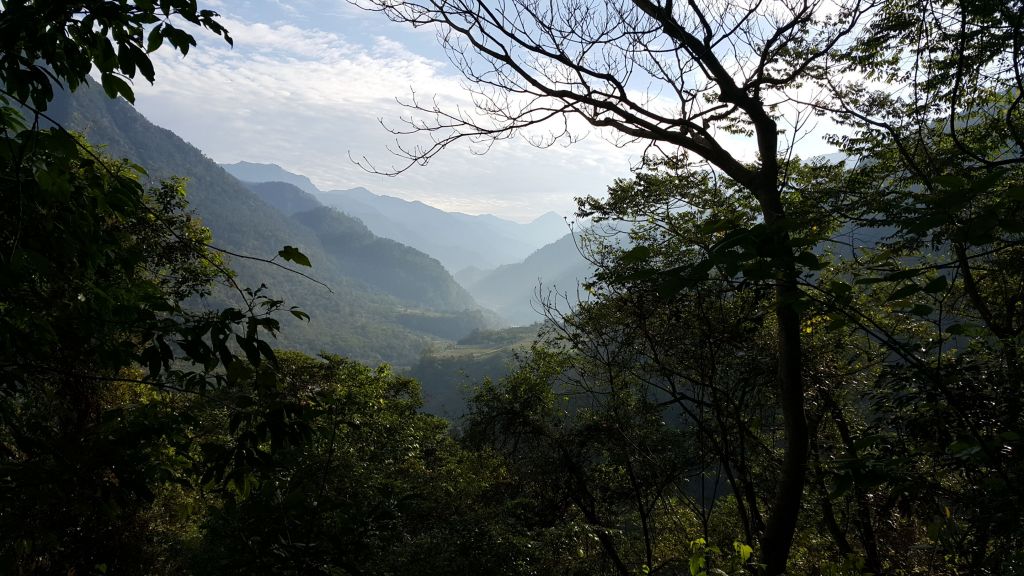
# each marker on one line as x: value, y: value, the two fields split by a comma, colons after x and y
x: 676, y: 74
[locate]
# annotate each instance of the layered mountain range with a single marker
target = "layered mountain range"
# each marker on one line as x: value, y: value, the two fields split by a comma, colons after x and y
x: 386, y: 262
x: 457, y: 240
x: 507, y: 267
x: 385, y: 301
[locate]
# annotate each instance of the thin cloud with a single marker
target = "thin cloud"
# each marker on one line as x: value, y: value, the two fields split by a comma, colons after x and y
x: 307, y: 99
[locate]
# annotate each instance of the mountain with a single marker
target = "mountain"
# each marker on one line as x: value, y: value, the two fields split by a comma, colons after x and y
x: 393, y: 268
x: 515, y: 290
x: 471, y: 275
x: 409, y: 304
x: 427, y: 228
x: 284, y: 197
x: 457, y: 240
x: 252, y: 172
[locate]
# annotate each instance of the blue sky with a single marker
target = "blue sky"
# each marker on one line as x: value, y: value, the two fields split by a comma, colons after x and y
x: 306, y: 86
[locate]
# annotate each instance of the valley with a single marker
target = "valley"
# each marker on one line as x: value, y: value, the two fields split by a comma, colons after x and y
x: 387, y: 294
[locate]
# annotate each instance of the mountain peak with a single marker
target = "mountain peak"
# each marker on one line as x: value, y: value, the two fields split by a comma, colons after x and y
x: 257, y: 172
x: 548, y: 217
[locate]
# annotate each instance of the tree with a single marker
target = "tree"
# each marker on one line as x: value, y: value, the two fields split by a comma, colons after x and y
x: 911, y: 415
x: 943, y: 149
x: 933, y: 92
x: 62, y: 42
x: 721, y: 68
x: 94, y: 271
x: 378, y: 488
x: 98, y: 342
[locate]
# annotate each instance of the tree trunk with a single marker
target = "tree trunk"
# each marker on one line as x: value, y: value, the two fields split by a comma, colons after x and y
x: 786, y: 509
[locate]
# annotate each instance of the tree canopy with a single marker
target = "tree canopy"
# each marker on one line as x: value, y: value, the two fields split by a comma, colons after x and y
x: 930, y: 96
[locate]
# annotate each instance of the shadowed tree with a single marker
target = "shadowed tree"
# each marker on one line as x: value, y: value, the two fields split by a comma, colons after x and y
x: 670, y: 74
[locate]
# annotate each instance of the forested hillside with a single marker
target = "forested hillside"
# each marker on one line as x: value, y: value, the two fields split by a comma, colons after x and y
x: 284, y: 197
x: 551, y: 276
x: 456, y: 240
x: 383, y: 301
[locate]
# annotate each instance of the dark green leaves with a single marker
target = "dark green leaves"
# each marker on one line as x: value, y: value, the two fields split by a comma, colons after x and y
x: 292, y: 254
x: 46, y: 43
x: 809, y: 260
x: 937, y: 285
x: 636, y: 255
x: 115, y: 86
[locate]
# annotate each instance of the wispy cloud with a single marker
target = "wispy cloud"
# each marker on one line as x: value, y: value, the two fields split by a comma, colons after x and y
x: 307, y: 99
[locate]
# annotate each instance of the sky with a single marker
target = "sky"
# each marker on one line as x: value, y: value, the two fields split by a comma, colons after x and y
x: 308, y: 84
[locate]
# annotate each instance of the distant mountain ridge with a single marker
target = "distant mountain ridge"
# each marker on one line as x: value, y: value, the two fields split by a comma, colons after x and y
x: 457, y: 240
x: 516, y: 291
x: 253, y: 172
x: 284, y: 197
x: 388, y: 310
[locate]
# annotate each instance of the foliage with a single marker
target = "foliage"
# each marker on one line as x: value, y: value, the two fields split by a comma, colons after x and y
x: 95, y: 269
x: 921, y: 328
x: 785, y: 366
x: 378, y: 488
x: 912, y: 394
x: 62, y: 42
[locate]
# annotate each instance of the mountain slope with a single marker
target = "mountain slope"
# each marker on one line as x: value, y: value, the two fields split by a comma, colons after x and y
x: 457, y: 240
x: 386, y: 265
x: 512, y: 290
x: 284, y: 197
x: 252, y: 172
x: 353, y: 319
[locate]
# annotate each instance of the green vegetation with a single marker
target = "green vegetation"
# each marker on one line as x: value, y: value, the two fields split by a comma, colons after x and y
x: 385, y: 302
x: 550, y: 275
x: 448, y: 374
x: 743, y: 393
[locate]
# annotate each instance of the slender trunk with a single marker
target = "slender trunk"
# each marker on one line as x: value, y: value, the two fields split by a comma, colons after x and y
x: 866, y: 528
x: 782, y: 521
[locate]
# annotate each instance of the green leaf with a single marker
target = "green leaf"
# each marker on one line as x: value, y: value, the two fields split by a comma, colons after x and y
x: 293, y: 254
x: 962, y: 449
x: 841, y: 290
x: 697, y: 565
x: 114, y: 85
x: 156, y: 38
x: 837, y: 323
x: 743, y: 550
x: 809, y: 260
x: 636, y: 255
x: 905, y: 291
x: 936, y: 285
x: 950, y: 182
x: 921, y: 310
